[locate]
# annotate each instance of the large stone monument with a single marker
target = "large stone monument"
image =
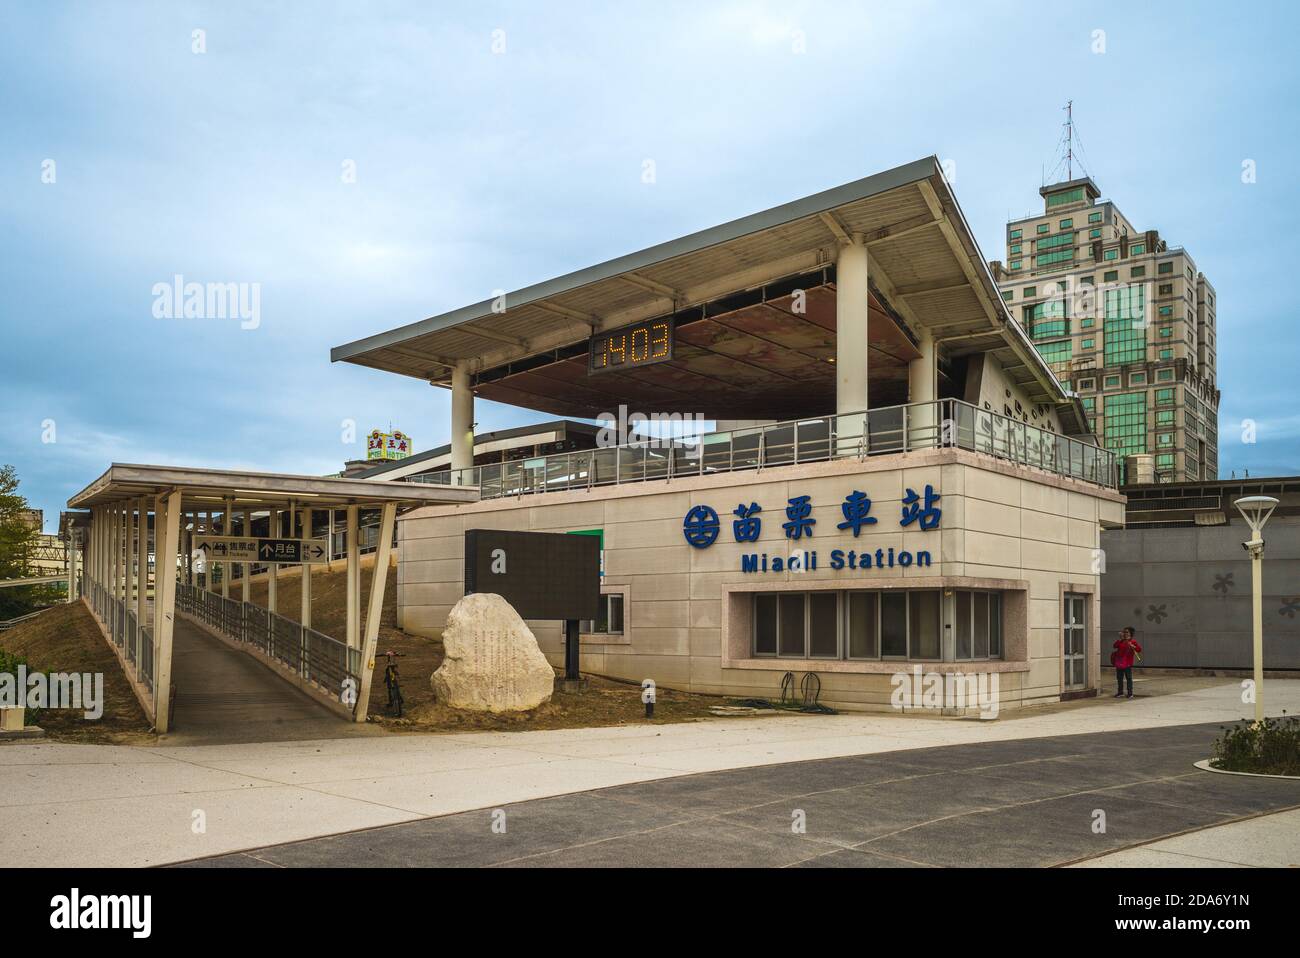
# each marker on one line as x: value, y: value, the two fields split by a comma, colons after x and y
x: 493, y: 662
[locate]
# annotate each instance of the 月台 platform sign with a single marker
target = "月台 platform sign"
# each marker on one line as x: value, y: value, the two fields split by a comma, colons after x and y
x: 250, y: 549
x: 543, y: 575
x: 631, y: 347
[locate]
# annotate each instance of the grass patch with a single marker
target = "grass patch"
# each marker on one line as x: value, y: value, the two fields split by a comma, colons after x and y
x: 1270, y: 748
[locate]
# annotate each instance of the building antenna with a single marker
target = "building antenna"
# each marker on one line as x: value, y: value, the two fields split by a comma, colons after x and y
x: 1069, y: 139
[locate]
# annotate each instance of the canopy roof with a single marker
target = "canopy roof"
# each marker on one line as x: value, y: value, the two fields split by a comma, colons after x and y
x: 743, y: 349
x: 205, y: 489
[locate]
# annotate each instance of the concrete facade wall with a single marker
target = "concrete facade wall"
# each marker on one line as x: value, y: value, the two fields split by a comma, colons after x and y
x: 1003, y: 527
x: 1188, y: 593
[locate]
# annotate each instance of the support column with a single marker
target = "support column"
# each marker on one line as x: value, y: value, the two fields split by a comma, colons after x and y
x: 462, y: 425
x: 304, y: 616
x: 167, y: 522
x: 248, y: 569
x: 852, y: 304
x: 208, y: 584
x: 142, y: 547
x: 132, y: 554
x: 72, y: 563
x: 273, y: 570
x: 353, y: 577
x: 923, y: 387
x: 227, y: 529
x: 375, y: 611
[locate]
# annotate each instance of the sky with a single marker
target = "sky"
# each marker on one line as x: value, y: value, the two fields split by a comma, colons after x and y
x: 365, y: 165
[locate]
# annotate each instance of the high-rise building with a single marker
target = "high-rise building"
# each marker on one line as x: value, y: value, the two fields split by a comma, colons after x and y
x: 1126, y: 321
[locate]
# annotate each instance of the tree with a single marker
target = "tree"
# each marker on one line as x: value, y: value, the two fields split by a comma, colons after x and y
x: 18, y: 539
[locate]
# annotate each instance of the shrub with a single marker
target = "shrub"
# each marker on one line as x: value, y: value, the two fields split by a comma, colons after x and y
x: 9, y: 662
x: 1270, y: 748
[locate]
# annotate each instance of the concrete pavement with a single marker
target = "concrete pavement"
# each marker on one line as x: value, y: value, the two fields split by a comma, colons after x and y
x: 1269, y: 841
x: 86, y: 805
x: 1022, y: 803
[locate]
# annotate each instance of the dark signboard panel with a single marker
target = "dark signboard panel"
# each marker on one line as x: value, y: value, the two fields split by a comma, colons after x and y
x: 544, y: 575
x: 630, y: 347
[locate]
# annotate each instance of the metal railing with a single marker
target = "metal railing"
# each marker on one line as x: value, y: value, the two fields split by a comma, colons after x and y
x: 945, y: 423
x: 319, y: 658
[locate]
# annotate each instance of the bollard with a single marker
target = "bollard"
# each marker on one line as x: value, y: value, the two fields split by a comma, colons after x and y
x: 648, y: 697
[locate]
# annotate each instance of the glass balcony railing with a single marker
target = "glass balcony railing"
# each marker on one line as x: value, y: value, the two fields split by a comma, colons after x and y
x: 945, y: 423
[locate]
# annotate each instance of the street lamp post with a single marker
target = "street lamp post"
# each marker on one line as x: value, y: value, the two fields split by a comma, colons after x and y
x: 1256, y: 510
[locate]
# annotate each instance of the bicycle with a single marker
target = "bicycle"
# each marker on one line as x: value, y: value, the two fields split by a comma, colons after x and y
x: 392, y: 681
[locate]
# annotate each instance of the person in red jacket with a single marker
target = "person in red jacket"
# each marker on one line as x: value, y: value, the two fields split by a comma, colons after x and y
x: 1126, y: 650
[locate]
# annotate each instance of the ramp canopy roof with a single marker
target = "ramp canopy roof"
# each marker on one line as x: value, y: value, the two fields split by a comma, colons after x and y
x: 203, y: 489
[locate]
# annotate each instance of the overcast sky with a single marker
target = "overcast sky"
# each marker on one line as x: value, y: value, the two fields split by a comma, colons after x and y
x: 478, y: 168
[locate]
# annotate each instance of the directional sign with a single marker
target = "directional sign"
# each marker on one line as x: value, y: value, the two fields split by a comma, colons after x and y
x: 236, y: 549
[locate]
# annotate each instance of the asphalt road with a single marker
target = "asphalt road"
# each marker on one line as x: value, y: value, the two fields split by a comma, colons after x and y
x: 1032, y: 802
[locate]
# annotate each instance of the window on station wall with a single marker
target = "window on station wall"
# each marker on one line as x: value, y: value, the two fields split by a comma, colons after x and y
x: 977, y: 625
x: 1137, y: 249
x: 1043, y: 228
x: 1094, y: 234
x: 870, y: 625
x: 1165, y: 268
x: 1094, y: 217
x: 1015, y: 234
x: 1065, y: 224
x: 610, y: 619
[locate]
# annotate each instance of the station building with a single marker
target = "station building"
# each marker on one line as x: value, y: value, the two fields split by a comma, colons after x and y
x: 897, y: 480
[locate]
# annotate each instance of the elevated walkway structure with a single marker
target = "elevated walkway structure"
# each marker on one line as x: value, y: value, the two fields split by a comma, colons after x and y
x: 141, y: 568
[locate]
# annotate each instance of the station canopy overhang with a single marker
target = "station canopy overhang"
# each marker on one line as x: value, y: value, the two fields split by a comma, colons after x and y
x: 744, y: 349
x: 204, y: 490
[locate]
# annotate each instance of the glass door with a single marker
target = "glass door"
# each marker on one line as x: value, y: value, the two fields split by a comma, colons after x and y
x: 1075, y: 642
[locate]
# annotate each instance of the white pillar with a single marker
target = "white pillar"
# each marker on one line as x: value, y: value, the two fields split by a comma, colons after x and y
x: 208, y: 583
x: 378, y: 581
x: 462, y: 423
x: 852, y: 303
x: 227, y: 529
x: 248, y: 568
x: 305, y: 615
x: 72, y: 563
x: 167, y: 518
x: 273, y: 571
x: 923, y: 387
x: 142, y: 547
x: 353, y: 575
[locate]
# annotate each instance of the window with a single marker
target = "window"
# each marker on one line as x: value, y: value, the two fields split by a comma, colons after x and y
x: 1166, y: 354
x: 1164, y: 396
x: 1065, y: 224
x: 1165, y: 439
x: 610, y: 618
x: 977, y: 626
x: 1123, y: 332
x: 1164, y: 375
x: 1137, y: 271
x: 1089, y: 404
x: 1166, y: 310
x: 1087, y: 384
x: 1058, y: 352
x: 1086, y: 280
x: 1065, y: 196
x: 1164, y: 417
x: 1046, y: 320
x: 1087, y: 323
x: 1166, y: 332
x: 1054, y: 249
x: 1094, y: 217
x: 1137, y: 249
x: 1016, y: 248
x: 1138, y: 379
x: 1111, y: 253
x: 1043, y: 228
x: 1014, y: 264
x: 1126, y: 423
x: 1112, y: 382
x: 862, y: 624
x: 1165, y: 268
x: 1008, y: 295
x: 1110, y: 276
x: 1089, y: 344
x: 1094, y: 234
x: 1030, y: 292
x: 1015, y: 234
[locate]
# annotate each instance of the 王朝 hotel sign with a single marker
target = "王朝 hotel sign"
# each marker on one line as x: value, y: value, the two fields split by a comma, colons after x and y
x: 702, y: 527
